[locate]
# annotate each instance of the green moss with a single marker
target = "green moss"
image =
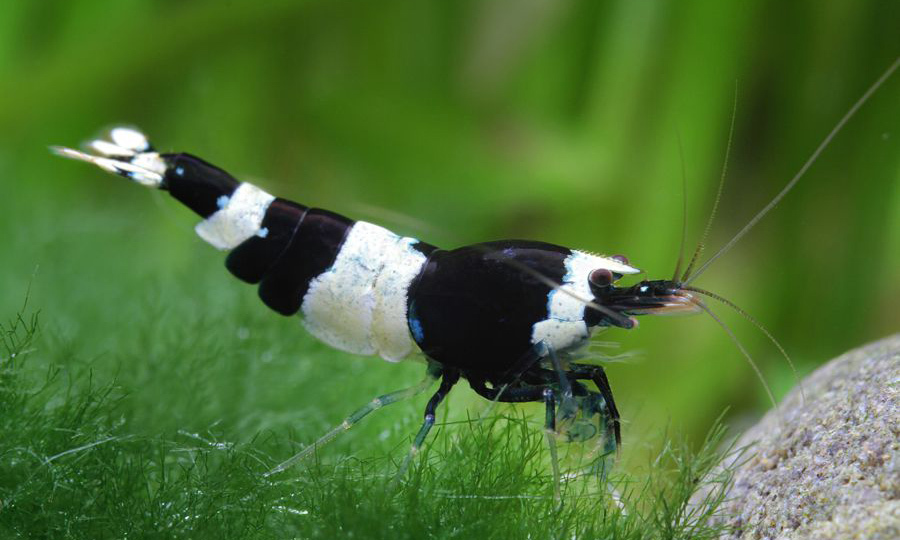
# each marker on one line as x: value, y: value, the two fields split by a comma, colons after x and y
x: 77, y: 460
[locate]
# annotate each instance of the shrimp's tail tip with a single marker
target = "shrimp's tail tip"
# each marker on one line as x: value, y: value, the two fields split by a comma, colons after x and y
x: 124, y: 151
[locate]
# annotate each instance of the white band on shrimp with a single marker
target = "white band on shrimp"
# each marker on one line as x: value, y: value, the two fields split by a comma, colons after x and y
x: 239, y: 217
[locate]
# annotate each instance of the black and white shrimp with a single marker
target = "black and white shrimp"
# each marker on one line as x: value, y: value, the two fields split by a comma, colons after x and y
x: 511, y: 317
x: 507, y: 316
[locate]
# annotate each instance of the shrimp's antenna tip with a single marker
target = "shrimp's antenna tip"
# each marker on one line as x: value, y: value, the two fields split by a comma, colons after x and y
x: 746, y: 354
x: 760, y: 327
x: 851, y: 112
x: 701, y: 245
x: 684, y: 210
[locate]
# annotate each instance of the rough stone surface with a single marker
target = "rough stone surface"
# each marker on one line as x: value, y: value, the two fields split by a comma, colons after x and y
x: 830, y: 467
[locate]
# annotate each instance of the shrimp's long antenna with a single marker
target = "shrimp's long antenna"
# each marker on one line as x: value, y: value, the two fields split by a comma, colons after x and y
x: 790, y: 185
x: 712, y: 215
x: 743, y: 350
x: 684, y: 211
x: 761, y: 328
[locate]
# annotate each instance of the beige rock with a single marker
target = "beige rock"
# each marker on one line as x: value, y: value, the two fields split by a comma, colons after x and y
x: 830, y: 468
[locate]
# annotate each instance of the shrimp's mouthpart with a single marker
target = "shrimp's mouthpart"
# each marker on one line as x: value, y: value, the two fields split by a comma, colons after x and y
x: 662, y: 297
x: 676, y: 304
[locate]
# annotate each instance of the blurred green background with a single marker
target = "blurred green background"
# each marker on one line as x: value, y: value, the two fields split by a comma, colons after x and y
x: 455, y: 122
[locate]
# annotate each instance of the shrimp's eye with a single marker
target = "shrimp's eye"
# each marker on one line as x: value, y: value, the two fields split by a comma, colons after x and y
x: 621, y: 258
x: 601, y: 277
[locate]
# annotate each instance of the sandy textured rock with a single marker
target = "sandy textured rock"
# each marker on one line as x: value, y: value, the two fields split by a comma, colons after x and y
x: 830, y: 469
